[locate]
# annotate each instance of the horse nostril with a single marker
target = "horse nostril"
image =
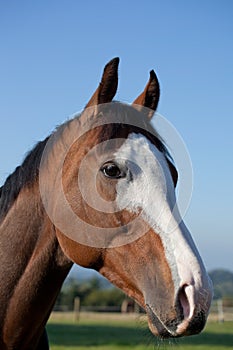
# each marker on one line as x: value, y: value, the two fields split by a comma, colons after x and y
x: 186, y: 300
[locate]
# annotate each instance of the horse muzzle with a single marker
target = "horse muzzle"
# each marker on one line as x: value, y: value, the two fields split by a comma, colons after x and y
x: 187, y: 317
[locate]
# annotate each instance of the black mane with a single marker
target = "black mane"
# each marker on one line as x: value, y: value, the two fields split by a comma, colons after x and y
x: 24, y: 175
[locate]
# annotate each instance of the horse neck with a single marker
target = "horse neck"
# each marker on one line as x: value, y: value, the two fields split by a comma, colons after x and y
x: 32, y: 269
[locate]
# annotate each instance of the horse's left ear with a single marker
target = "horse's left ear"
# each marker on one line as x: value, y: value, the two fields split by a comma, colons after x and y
x: 108, y: 85
x: 150, y: 96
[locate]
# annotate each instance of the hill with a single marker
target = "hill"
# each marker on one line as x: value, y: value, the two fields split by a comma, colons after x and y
x: 222, y: 282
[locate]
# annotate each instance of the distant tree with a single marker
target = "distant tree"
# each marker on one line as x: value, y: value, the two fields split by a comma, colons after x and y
x: 105, y: 297
x: 91, y: 288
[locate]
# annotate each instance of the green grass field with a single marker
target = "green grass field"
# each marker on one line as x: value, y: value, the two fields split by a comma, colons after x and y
x: 99, y: 332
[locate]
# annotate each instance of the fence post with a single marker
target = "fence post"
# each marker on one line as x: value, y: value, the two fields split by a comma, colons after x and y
x: 76, y: 308
x: 220, y: 311
x: 136, y: 308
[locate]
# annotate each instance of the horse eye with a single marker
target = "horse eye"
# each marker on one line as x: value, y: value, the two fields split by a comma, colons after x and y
x: 112, y: 170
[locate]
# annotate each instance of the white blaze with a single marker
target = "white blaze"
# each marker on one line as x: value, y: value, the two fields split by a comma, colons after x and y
x: 151, y: 189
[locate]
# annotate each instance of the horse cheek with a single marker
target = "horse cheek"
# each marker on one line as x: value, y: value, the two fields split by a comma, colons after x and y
x: 80, y: 254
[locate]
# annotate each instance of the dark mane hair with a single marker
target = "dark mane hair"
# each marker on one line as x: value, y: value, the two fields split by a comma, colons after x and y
x: 24, y: 175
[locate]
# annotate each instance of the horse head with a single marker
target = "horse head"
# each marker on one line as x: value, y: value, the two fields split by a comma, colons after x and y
x: 116, y: 210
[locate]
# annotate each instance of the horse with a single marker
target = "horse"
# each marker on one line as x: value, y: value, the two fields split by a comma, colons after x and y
x: 99, y: 192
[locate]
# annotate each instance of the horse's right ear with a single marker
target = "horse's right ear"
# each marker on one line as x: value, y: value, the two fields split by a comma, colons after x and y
x: 108, y: 85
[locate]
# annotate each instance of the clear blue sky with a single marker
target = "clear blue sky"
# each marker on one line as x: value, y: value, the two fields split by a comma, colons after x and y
x: 52, y: 55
